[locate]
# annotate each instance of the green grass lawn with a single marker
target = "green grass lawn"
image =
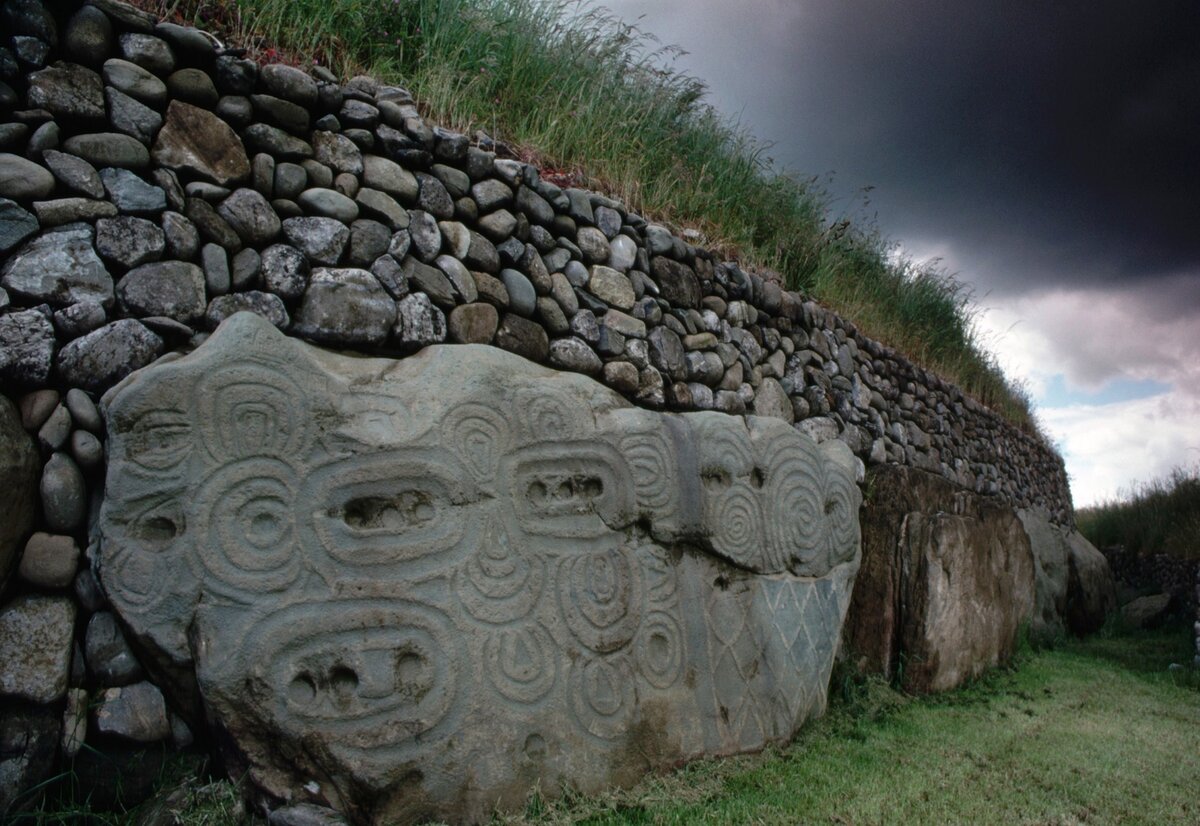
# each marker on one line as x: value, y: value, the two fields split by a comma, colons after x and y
x: 1091, y: 732
x: 1095, y: 732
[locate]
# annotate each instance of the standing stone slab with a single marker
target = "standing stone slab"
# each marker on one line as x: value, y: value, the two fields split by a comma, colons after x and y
x: 947, y: 580
x: 431, y: 585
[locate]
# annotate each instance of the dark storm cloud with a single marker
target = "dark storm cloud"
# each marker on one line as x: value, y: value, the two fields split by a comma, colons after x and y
x: 1049, y: 142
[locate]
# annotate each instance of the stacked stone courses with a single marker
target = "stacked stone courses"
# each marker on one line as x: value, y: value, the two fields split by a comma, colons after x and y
x: 154, y: 183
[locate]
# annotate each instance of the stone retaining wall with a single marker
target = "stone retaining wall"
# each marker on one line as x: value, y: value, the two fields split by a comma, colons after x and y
x: 153, y: 183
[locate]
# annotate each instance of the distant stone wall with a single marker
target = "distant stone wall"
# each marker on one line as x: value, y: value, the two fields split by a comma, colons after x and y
x: 153, y: 183
x: 1156, y: 573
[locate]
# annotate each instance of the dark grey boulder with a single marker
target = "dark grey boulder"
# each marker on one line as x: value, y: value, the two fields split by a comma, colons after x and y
x: 289, y: 83
x: 321, y: 239
x: 22, y: 179
x: 135, y: 712
x: 16, y: 224
x: 345, y: 307
x: 285, y: 271
x: 251, y: 216
x: 193, y: 86
x: 106, y: 355
x: 197, y: 141
x: 151, y: 53
x: 132, y: 117
x: 109, y: 149
x: 62, y: 211
x: 68, y: 90
x: 128, y: 241
x: 175, y: 289
x: 132, y: 194
x: 89, y: 36
x: 74, y: 173
x: 26, y: 347
x: 135, y: 81
x: 60, y: 268
x: 79, y: 319
x: 64, y: 494
x: 109, y: 659
x: 267, y: 305
x: 262, y: 137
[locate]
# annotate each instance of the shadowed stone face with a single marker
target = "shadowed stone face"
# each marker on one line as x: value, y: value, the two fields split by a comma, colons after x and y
x: 429, y: 585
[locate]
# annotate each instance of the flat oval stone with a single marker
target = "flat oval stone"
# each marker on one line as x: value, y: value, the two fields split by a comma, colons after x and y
x: 22, y: 179
x: 135, y: 81
x: 109, y: 149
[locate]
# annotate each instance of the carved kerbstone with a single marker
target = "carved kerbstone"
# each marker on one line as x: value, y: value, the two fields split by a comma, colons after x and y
x: 433, y: 584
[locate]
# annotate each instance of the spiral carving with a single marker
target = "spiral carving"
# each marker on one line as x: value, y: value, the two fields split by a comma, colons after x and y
x: 735, y: 521
x: 246, y: 525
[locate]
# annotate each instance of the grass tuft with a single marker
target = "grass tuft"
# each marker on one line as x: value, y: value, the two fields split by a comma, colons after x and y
x: 1161, y: 516
x: 599, y: 102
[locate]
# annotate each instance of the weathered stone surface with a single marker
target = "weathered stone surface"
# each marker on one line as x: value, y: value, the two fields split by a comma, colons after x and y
x: 1050, y: 560
x: 457, y: 576
x: 1091, y: 591
x: 418, y: 321
x: 36, y: 634
x: 473, y: 323
x: 68, y: 90
x: 321, y: 239
x: 26, y: 347
x: 345, y: 307
x: 103, y: 356
x: 197, y: 141
x: 129, y: 193
x: 128, y: 241
x: 135, y: 712
x: 251, y: 217
x: 677, y: 282
x: 947, y: 579
x: 64, y: 494
x: 18, y: 479
x: 174, y: 289
x: 16, y: 224
x: 60, y: 268
x: 267, y: 305
x: 109, y: 149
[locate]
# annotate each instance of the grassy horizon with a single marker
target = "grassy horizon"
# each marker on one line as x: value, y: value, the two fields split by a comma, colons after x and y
x: 597, y: 102
x: 1158, y: 516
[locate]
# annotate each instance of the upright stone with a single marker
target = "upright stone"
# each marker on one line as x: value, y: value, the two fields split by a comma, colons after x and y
x: 379, y: 567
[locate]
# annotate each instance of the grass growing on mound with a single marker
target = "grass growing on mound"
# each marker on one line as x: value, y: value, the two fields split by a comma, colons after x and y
x: 596, y: 99
x: 1157, y: 517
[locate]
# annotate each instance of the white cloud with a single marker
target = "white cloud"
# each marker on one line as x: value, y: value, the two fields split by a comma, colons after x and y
x: 1110, y: 447
x: 1091, y: 337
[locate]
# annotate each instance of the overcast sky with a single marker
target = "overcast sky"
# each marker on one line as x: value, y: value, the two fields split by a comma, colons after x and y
x: 1047, y: 152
